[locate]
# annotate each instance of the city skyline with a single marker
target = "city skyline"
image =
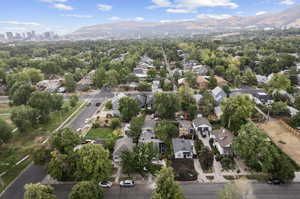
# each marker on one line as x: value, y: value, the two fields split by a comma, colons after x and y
x: 66, y: 16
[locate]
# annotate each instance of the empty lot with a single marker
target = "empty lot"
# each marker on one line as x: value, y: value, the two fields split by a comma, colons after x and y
x: 285, y: 140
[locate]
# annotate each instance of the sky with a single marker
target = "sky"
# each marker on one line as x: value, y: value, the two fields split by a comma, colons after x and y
x: 66, y: 16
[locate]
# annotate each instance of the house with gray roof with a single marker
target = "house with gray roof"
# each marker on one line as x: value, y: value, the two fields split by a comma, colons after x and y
x: 183, y: 148
x: 222, y: 140
x: 218, y: 95
x: 202, y: 126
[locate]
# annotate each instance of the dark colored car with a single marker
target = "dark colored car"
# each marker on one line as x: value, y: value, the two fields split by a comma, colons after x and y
x: 98, y: 104
x: 274, y: 181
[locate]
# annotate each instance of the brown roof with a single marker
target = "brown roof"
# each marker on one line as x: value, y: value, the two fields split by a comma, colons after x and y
x: 223, y: 136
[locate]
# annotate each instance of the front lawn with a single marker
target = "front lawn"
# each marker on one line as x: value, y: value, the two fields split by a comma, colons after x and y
x: 184, y: 169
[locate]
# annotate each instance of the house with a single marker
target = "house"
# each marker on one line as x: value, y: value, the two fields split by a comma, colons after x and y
x: 262, y: 98
x: 293, y: 111
x: 261, y: 79
x: 183, y: 148
x: 86, y: 82
x: 115, y: 101
x: 122, y: 145
x: 218, y: 112
x: 140, y: 73
x: 200, y: 70
x: 202, y: 126
x: 148, y: 135
x: 222, y: 140
x: 218, y: 95
x: 49, y: 85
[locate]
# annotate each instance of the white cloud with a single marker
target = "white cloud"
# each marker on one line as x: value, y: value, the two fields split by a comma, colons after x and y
x: 20, y: 23
x: 54, y: 1
x: 182, y: 11
x: 104, y: 7
x: 213, y: 16
x: 61, y: 6
x: 261, y: 13
x: 139, y: 19
x: 287, y: 2
x: 193, y: 4
x: 115, y: 18
x: 78, y: 16
x: 160, y: 4
x: 172, y: 21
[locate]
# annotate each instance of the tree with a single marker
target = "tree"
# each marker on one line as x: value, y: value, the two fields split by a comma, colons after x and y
x: 136, y: 128
x: 56, y: 102
x: 24, y: 117
x: 206, y: 158
x: 144, y: 86
x: 128, y: 108
x: 35, y: 75
x: 62, y: 166
x: 165, y: 131
x: 65, y: 140
x: 74, y: 99
x: 151, y: 74
x: 207, y: 104
x: 166, y: 187
x: 236, y: 111
x: 112, y: 77
x: 140, y: 159
x: 41, y: 155
x: 186, y: 97
x: 93, y: 163
x: 212, y: 82
x: 99, y: 77
x: 20, y: 93
x: 249, y: 77
x: 69, y: 82
x: 38, y: 191
x: 41, y: 101
x: 279, y: 109
x: 191, y: 78
x: 115, y: 123
x: 86, y: 189
x: 241, y: 188
x: 5, y: 132
x: 279, y: 82
x: 166, y: 105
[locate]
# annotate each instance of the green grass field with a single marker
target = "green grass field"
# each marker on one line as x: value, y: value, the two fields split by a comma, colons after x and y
x: 102, y: 133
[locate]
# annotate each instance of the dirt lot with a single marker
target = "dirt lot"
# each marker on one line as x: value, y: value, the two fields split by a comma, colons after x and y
x: 285, y: 140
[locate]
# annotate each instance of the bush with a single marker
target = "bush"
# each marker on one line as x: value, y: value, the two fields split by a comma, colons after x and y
x: 227, y: 162
x: 96, y: 125
x: 74, y: 100
x: 115, y: 123
x: 108, y: 105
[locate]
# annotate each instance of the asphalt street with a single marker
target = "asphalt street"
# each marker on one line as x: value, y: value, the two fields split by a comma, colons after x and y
x: 192, y: 191
x: 35, y: 174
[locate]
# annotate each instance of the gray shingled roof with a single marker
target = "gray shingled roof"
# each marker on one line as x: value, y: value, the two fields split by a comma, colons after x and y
x: 200, y: 121
x: 182, y: 145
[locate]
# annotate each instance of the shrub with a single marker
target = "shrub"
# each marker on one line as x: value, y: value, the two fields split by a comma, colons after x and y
x: 115, y: 123
x: 108, y: 105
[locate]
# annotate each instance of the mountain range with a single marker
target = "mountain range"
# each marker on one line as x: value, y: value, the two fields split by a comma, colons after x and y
x: 123, y: 30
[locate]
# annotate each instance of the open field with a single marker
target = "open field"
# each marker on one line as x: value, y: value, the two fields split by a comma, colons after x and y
x: 285, y: 140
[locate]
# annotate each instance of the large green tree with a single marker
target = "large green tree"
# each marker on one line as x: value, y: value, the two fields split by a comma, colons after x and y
x: 65, y: 140
x: 86, y: 190
x: 166, y: 105
x: 279, y: 82
x: 166, y: 187
x: 99, y: 77
x: 24, y: 117
x: 136, y: 128
x: 38, y: 191
x: 93, y: 163
x: 236, y: 111
x: 70, y: 82
x: 128, y: 108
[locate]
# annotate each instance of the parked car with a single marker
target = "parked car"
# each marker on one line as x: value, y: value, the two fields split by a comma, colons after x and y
x: 78, y: 130
x: 274, y: 181
x: 105, y: 184
x: 98, y: 104
x: 127, y: 183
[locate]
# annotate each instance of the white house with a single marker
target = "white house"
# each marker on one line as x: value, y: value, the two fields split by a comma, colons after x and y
x: 202, y: 126
x: 183, y: 148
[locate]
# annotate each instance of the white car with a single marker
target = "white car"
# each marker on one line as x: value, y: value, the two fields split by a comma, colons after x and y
x: 105, y: 184
x: 127, y: 183
x: 78, y: 130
